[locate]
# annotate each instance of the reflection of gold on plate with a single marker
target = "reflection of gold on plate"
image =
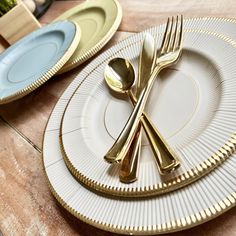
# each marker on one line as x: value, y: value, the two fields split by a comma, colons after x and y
x: 98, y: 21
x: 192, y: 205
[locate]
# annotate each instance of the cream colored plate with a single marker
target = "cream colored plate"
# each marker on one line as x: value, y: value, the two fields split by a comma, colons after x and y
x: 192, y: 104
x: 98, y: 20
x: 178, y: 210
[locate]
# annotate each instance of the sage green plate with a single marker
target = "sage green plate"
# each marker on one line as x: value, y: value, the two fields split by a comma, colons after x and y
x: 98, y: 21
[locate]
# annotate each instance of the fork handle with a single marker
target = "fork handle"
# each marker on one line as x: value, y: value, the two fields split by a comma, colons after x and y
x: 166, y: 158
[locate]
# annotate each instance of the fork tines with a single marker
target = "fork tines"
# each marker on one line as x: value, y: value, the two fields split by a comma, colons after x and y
x: 172, y: 40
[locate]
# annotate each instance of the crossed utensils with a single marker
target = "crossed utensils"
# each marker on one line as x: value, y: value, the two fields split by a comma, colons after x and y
x: 120, y: 77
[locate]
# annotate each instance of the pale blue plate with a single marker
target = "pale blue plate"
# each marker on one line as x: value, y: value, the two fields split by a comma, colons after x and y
x: 34, y: 59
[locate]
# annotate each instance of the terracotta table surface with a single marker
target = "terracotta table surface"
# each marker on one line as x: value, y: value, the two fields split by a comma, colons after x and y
x: 26, y: 204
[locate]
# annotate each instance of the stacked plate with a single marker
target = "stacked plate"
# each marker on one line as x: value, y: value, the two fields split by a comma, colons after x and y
x: 98, y: 21
x: 56, y: 48
x: 193, y: 106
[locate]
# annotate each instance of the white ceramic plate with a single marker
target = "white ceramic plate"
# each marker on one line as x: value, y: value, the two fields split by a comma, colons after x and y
x: 190, y: 104
x: 184, y: 208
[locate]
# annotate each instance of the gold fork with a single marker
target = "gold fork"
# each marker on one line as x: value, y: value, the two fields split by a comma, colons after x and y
x: 169, y: 53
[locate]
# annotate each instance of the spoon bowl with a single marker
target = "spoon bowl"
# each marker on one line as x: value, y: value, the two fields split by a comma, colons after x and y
x: 119, y: 75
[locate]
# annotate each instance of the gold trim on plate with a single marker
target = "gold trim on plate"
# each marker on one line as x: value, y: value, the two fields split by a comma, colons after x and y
x: 182, y: 180
x: 170, y: 227
x: 28, y: 89
x: 205, y: 215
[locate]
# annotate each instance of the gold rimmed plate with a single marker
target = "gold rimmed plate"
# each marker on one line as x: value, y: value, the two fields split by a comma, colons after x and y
x: 192, y: 205
x: 191, y: 105
x: 98, y: 21
x: 37, y: 57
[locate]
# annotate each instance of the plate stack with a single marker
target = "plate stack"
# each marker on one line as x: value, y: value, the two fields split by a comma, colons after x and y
x: 73, y: 38
x: 193, y: 106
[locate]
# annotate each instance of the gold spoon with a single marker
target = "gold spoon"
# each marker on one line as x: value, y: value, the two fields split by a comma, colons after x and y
x: 128, y: 171
x: 120, y: 77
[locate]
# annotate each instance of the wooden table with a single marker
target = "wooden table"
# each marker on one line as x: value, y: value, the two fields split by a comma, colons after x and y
x: 26, y: 204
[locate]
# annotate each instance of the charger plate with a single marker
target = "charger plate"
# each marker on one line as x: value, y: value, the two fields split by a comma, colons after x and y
x: 36, y: 58
x: 192, y: 104
x: 98, y: 20
x: 184, y: 208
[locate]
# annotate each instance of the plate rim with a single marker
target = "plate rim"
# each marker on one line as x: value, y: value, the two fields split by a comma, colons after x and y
x: 181, y: 223
x: 193, y: 174
x: 225, y: 204
x: 99, y: 45
x: 53, y: 70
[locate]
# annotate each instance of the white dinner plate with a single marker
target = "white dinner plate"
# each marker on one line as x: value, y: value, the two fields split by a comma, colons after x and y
x: 192, y: 104
x: 192, y: 205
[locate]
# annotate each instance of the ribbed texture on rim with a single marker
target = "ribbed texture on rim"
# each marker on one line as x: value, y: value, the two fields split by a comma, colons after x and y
x: 197, y: 203
x: 197, y: 159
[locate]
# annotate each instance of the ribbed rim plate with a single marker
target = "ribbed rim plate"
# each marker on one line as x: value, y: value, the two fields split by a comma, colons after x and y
x: 191, y: 105
x: 192, y: 205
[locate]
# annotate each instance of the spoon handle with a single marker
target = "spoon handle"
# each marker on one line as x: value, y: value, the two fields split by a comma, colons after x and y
x: 130, y: 163
x: 120, y: 148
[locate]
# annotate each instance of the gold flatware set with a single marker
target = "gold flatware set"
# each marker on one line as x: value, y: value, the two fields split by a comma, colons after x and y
x: 120, y: 77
